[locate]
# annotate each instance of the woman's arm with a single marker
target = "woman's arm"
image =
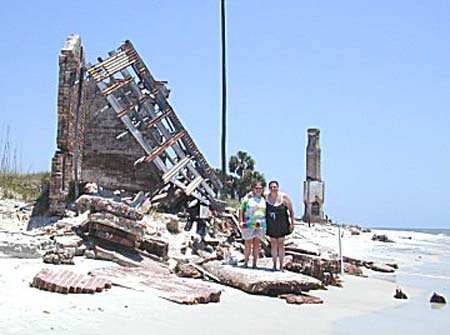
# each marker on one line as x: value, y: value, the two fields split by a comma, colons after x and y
x: 288, y: 202
x: 242, y: 209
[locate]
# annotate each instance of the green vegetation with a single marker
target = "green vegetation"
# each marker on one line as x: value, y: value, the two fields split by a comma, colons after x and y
x: 242, y: 175
x: 15, y: 184
x: 23, y: 186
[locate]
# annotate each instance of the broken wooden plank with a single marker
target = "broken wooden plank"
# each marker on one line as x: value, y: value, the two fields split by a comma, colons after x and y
x: 175, y: 169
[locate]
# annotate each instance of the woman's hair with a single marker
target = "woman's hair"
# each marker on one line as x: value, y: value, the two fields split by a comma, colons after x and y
x: 274, y: 182
x: 258, y: 182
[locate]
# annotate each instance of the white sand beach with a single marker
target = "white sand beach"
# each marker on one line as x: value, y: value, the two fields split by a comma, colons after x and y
x: 27, y: 310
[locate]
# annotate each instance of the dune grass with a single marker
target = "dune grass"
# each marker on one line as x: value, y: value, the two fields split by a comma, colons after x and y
x: 22, y: 186
x: 15, y: 184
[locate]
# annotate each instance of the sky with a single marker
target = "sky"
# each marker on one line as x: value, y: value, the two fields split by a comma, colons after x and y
x: 373, y: 76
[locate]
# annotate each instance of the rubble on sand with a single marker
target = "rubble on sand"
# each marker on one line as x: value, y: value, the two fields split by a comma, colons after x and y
x: 65, y: 281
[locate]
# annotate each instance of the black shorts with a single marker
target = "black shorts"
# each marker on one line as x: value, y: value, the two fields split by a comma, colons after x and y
x: 278, y: 229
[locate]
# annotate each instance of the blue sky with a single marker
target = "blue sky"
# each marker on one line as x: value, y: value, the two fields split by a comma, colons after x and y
x: 374, y: 76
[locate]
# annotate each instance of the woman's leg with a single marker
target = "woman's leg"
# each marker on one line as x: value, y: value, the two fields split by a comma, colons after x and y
x: 247, y: 250
x: 281, y: 252
x: 256, y: 246
x: 274, y: 251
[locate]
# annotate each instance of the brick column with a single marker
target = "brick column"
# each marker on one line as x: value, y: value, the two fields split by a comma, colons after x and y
x: 313, y: 186
x: 67, y: 159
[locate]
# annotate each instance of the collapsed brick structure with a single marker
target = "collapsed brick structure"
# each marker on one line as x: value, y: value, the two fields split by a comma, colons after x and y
x: 117, y: 129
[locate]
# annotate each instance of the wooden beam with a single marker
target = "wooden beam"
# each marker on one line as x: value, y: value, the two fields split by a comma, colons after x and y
x: 117, y: 85
x: 175, y: 169
x: 193, y: 185
x: 165, y: 145
x: 158, y: 118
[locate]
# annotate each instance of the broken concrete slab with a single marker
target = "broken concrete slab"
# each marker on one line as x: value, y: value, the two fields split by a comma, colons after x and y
x: 262, y: 281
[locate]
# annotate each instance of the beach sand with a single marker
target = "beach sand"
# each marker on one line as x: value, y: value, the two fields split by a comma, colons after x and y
x: 26, y: 310
x: 362, y: 305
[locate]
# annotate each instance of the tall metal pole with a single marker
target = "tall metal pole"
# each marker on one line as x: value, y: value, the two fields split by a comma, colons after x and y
x: 341, y: 259
x: 224, y: 97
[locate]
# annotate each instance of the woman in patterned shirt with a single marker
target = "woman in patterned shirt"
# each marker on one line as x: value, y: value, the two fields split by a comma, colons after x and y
x: 252, y: 217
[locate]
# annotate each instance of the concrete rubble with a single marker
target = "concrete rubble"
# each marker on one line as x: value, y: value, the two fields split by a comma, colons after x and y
x: 177, y: 265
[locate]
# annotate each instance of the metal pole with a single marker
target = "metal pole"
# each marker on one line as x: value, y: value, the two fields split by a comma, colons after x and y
x: 224, y: 97
x: 341, y: 260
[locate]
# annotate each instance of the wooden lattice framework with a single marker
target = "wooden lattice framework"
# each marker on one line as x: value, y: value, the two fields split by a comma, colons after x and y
x: 141, y: 103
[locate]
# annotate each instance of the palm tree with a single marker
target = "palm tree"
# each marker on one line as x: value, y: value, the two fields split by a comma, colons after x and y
x: 241, y: 163
x: 242, y: 168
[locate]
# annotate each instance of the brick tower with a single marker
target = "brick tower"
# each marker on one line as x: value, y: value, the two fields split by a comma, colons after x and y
x: 313, y: 186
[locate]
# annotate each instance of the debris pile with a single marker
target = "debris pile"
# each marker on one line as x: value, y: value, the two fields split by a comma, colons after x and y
x: 118, y: 224
x: 323, y: 269
x: 352, y: 264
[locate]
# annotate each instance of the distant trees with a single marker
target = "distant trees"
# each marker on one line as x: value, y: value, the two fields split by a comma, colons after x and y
x: 242, y: 175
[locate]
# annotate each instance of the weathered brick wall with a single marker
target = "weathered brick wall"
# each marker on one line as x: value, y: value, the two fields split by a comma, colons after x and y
x: 69, y: 142
x: 107, y: 160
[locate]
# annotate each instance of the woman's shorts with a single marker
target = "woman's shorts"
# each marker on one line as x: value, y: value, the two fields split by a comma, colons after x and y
x: 249, y: 233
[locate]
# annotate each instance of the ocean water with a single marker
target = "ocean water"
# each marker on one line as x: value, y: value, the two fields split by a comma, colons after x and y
x: 423, y: 256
